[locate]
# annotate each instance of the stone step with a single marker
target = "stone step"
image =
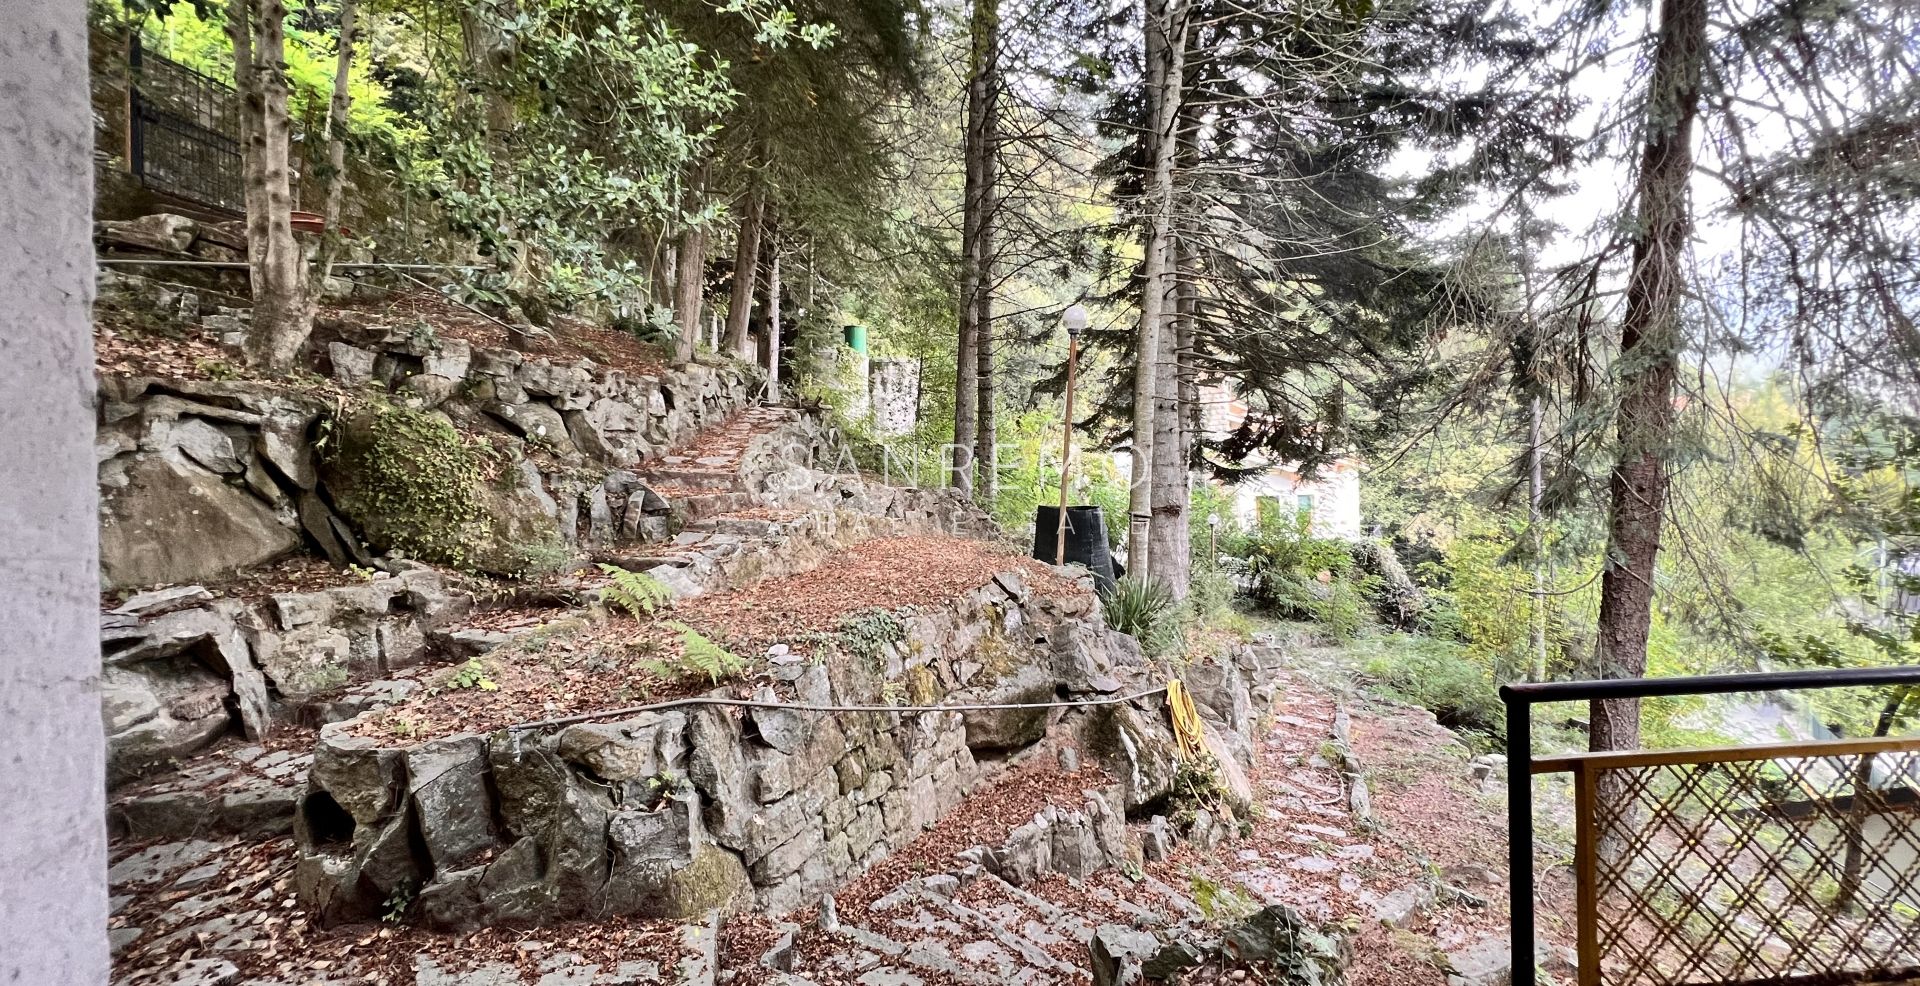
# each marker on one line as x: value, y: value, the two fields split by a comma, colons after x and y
x: 992, y: 945
x: 701, y: 506
x: 743, y: 527
x: 706, y: 478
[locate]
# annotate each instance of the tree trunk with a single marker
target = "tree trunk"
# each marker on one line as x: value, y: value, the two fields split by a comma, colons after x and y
x: 986, y: 457
x: 977, y: 152
x: 282, y: 309
x: 1171, y: 534
x: 1536, y: 519
x: 1165, y: 52
x: 491, y: 52
x: 1168, y: 538
x: 334, y: 135
x: 1650, y: 344
x: 1866, y: 803
x: 773, y: 319
x: 746, y: 269
x: 690, y: 272
x: 986, y: 438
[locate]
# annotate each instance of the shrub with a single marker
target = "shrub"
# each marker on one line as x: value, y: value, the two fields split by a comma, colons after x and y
x: 1302, y: 577
x: 1440, y: 676
x: 1145, y: 610
x: 407, y: 478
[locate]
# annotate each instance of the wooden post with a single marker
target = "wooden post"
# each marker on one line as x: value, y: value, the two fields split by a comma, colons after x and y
x: 1586, y: 867
x: 1066, y: 451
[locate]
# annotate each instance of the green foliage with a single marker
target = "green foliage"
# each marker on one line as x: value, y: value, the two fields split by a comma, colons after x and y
x: 1299, y: 576
x: 1437, y: 675
x: 638, y: 593
x: 397, y: 904
x: 1029, y: 475
x: 409, y: 478
x: 699, y: 658
x: 1146, y: 610
x: 178, y: 30
x: 864, y: 634
x: 472, y: 675
x: 1487, y: 605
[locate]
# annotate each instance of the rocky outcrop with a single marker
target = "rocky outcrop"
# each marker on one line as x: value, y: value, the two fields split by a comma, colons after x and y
x: 178, y: 679
x: 672, y: 813
x: 1272, y: 945
x: 202, y: 478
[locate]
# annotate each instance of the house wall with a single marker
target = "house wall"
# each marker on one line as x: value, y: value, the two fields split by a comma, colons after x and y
x: 1335, y: 492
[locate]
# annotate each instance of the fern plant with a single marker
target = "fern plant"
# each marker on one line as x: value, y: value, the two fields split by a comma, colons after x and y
x: 638, y: 593
x: 699, y: 657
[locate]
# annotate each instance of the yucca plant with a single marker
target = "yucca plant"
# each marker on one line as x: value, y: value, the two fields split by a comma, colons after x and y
x: 1145, y: 610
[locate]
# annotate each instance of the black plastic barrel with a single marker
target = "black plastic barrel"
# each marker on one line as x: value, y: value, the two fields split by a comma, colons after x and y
x: 1086, y: 541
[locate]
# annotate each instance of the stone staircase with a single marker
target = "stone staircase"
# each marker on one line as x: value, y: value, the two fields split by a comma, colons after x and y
x: 967, y: 927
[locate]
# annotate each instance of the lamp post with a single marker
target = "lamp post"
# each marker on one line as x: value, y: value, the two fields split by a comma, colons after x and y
x: 1075, y: 319
x: 1213, y: 535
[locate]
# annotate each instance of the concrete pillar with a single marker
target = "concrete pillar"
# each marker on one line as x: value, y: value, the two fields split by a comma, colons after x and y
x: 53, y: 846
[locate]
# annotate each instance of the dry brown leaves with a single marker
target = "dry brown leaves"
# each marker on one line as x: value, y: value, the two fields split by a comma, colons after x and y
x: 984, y: 818
x: 291, y: 945
x: 122, y: 346
x: 884, y: 573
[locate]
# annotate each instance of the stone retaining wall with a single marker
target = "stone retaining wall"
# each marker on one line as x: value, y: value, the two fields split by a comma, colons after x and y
x: 181, y: 668
x: 202, y: 478
x: 675, y: 812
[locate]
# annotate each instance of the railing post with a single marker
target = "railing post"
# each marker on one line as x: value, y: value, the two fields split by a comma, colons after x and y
x: 1520, y: 833
x: 1586, y: 873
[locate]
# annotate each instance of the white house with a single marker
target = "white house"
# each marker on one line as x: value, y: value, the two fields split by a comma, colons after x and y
x: 1330, y: 498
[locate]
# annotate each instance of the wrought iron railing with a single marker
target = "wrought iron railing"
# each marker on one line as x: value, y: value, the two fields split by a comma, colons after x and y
x: 183, y: 131
x: 1774, y: 864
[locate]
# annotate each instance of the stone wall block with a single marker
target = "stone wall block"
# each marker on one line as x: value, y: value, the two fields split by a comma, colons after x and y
x: 361, y: 776
x: 530, y: 780
x: 447, y: 781
x: 630, y: 750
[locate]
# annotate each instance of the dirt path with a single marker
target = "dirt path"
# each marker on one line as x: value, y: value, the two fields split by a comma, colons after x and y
x: 1423, y: 891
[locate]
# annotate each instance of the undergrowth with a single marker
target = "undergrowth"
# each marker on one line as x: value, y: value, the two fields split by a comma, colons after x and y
x: 1145, y: 610
x: 408, y: 476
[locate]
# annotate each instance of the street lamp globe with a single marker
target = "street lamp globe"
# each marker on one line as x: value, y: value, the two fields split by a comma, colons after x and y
x: 1075, y: 318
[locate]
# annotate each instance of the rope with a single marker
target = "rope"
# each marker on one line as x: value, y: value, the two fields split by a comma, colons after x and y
x: 808, y: 707
x: 243, y: 265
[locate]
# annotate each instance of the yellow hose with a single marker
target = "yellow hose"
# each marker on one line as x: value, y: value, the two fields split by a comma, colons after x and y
x: 1186, y: 721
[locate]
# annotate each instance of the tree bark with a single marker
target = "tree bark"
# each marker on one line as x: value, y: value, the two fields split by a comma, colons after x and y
x: 334, y: 136
x: 1651, y: 339
x: 746, y: 270
x: 282, y: 308
x: 986, y: 437
x: 977, y: 152
x: 1165, y: 53
x: 690, y: 272
x: 1168, y: 538
x: 1170, y: 535
x: 491, y: 52
x: 773, y: 319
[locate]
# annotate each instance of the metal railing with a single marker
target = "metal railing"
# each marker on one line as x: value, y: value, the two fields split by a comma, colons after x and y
x: 183, y: 131
x: 1794, y: 863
